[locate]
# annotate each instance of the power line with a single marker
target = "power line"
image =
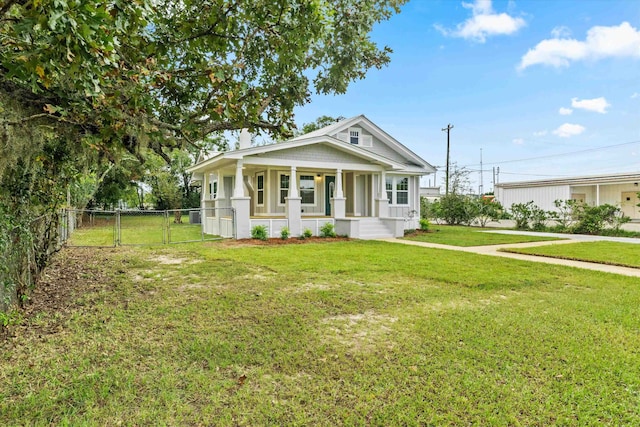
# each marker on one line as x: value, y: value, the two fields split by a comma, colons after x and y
x: 587, y: 150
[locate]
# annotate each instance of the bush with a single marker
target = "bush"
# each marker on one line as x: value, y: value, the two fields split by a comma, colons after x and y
x: 306, y: 233
x: 327, y: 230
x: 593, y: 219
x: 285, y: 233
x: 259, y: 232
x: 488, y: 210
x: 521, y: 214
x: 424, y: 224
x: 457, y: 209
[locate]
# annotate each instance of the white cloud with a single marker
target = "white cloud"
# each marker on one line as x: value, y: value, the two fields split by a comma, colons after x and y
x: 484, y: 23
x: 635, y: 95
x: 565, y: 111
x: 598, y: 105
x: 540, y: 133
x: 561, y: 32
x: 518, y: 141
x: 568, y: 129
x: 601, y: 42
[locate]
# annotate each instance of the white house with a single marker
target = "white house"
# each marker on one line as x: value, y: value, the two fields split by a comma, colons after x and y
x: 616, y: 189
x: 351, y: 174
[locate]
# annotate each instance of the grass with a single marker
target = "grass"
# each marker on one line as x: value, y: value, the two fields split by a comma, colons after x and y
x: 349, y: 333
x: 471, y: 236
x: 614, y: 253
x: 141, y: 228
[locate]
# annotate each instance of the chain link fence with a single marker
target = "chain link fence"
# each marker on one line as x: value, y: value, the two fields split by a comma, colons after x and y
x: 97, y: 228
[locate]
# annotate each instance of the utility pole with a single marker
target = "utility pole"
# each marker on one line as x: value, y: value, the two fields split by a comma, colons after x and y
x: 446, y: 186
x: 481, y: 184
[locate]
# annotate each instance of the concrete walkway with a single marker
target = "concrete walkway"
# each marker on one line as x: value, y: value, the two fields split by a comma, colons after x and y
x: 494, y: 250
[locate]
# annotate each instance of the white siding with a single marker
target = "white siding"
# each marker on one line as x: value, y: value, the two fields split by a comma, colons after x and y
x: 316, y: 152
x: 543, y: 197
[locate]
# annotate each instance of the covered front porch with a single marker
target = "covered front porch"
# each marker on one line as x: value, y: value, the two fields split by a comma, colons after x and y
x: 355, y: 199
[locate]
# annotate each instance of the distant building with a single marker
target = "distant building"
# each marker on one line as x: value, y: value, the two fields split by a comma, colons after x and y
x: 430, y: 193
x: 615, y: 189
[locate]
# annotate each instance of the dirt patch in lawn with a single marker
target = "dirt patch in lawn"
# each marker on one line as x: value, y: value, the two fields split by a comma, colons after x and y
x: 359, y: 331
x: 64, y: 286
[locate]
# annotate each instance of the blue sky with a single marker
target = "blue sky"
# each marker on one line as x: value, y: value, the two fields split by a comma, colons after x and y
x: 555, y: 82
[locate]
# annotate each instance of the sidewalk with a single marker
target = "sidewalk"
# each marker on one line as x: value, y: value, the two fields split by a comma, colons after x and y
x: 494, y: 250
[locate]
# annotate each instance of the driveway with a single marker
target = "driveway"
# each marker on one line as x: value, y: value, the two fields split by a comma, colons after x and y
x: 494, y: 250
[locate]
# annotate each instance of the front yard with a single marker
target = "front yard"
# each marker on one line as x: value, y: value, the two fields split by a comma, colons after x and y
x: 346, y: 333
x: 471, y: 236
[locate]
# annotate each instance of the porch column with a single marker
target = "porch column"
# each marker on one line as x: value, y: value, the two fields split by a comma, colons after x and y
x: 382, y: 203
x: 241, y: 204
x: 597, y: 194
x: 294, y: 205
x: 221, y: 194
x: 339, y: 201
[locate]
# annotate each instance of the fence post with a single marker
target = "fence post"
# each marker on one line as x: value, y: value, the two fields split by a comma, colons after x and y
x: 117, y: 232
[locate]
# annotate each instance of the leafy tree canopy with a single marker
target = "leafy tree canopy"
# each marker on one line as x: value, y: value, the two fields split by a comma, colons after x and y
x: 129, y: 73
x: 319, y: 123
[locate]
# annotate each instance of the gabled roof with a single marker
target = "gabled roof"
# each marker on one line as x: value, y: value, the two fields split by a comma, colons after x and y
x: 323, y: 139
x: 324, y: 136
x: 375, y: 130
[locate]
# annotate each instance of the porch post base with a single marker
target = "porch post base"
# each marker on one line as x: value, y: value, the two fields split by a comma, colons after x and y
x: 294, y: 215
x: 339, y: 207
x: 242, y: 218
x: 382, y: 208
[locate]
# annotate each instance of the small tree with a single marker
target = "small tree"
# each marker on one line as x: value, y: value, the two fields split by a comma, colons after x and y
x: 564, y: 213
x: 487, y: 210
x: 457, y: 209
x: 521, y: 214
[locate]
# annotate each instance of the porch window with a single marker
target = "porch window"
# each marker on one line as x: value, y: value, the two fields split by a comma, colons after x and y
x: 308, y: 189
x: 389, y: 187
x: 213, y: 189
x: 284, y: 188
x: 402, y: 191
x: 260, y: 189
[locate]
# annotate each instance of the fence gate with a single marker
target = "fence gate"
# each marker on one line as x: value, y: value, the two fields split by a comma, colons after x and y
x: 141, y: 227
x: 136, y: 227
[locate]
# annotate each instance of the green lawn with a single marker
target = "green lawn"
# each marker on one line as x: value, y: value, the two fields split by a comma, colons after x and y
x: 139, y: 228
x: 614, y: 253
x: 471, y: 236
x: 349, y: 333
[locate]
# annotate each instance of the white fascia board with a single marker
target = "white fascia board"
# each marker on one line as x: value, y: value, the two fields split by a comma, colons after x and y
x: 306, y: 164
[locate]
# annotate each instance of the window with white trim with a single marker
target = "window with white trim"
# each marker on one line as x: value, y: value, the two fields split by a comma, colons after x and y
x: 284, y: 188
x: 397, y: 190
x: 354, y: 136
x: 308, y: 189
x: 389, y: 186
x: 402, y: 191
x: 213, y: 190
x: 260, y: 189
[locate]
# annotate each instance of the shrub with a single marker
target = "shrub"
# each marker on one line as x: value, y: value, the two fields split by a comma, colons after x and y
x: 424, y: 224
x: 539, y: 218
x: 306, y: 233
x: 488, y: 210
x: 285, y: 233
x: 457, y: 209
x: 259, y: 232
x: 327, y: 230
x: 593, y: 219
x: 521, y: 214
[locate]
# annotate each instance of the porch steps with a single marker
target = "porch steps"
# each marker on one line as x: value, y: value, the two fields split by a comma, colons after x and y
x: 373, y: 228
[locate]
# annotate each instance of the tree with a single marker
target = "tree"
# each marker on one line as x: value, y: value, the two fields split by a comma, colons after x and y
x: 164, y: 74
x: 459, y: 181
x: 319, y: 123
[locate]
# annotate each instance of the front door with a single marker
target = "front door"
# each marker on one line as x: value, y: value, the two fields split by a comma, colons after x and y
x: 629, y: 203
x: 329, y: 186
